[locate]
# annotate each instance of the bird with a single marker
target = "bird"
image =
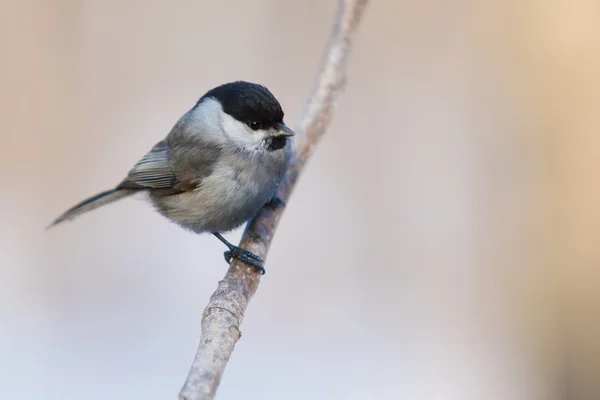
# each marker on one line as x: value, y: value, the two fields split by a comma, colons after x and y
x: 217, y: 167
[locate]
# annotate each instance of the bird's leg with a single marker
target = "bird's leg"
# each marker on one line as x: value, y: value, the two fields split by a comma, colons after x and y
x: 243, y: 255
x: 275, y: 202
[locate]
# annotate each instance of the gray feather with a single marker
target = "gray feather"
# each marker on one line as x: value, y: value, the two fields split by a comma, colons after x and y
x: 174, y: 168
x: 92, y: 203
x: 153, y: 170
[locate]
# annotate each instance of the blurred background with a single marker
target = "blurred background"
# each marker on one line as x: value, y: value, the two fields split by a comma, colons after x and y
x: 443, y: 243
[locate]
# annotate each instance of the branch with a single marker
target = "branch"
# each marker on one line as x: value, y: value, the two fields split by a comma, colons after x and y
x: 225, y: 310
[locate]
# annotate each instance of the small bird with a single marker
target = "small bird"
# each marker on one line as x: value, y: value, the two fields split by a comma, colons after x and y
x: 221, y: 162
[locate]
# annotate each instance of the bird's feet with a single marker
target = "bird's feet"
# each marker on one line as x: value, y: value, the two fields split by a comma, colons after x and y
x: 243, y: 255
x: 246, y: 257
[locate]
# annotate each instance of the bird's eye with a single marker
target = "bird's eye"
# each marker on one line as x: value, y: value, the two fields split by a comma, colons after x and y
x: 255, y: 125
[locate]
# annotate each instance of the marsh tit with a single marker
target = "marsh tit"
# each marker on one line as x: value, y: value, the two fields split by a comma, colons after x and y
x: 219, y: 164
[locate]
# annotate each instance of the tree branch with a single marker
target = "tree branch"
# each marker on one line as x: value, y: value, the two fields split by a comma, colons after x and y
x: 225, y: 310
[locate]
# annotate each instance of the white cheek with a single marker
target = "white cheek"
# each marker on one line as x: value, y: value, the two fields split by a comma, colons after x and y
x: 239, y: 132
x: 217, y: 126
x: 205, y: 120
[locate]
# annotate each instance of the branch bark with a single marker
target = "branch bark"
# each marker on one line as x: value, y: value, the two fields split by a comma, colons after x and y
x: 225, y: 310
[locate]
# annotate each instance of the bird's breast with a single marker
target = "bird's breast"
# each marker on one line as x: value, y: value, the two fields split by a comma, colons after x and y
x: 232, y: 194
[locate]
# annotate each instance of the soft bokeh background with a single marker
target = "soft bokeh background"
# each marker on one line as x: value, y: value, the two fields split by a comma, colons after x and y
x: 444, y: 242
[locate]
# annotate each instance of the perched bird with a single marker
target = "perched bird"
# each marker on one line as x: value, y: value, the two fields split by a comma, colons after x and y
x: 219, y: 164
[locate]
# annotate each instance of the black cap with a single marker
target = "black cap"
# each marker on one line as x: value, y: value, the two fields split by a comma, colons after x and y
x: 248, y: 102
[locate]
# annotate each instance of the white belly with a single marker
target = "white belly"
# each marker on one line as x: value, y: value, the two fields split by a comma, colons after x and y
x: 224, y: 200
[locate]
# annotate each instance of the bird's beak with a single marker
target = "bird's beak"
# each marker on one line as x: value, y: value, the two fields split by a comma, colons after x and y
x: 284, y: 130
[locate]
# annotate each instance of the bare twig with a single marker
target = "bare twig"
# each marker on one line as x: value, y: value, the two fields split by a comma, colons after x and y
x: 224, y: 313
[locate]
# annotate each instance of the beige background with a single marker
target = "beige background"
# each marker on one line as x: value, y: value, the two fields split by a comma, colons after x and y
x: 442, y: 244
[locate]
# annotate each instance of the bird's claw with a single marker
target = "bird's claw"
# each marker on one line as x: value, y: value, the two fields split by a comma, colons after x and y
x: 246, y: 257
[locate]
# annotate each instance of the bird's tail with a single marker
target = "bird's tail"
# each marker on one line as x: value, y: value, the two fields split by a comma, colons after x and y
x: 92, y: 203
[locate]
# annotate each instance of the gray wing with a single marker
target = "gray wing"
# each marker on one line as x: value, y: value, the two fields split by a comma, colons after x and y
x: 170, y: 170
x: 153, y: 170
